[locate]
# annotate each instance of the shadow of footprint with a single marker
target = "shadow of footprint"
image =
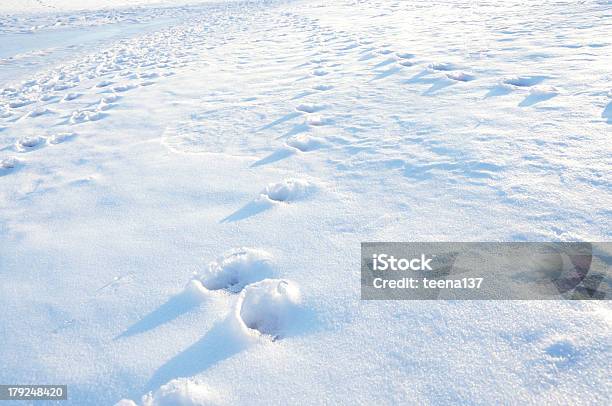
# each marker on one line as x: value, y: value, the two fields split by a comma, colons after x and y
x: 275, y: 156
x: 173, y: 308
x: 251, y: 209
x: 222, y: 342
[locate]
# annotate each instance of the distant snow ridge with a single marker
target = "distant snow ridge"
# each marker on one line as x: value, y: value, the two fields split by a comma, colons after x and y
x: 236, y: 269
x: 269, y: 306
x: 287, y: 190
x: 177, y: 392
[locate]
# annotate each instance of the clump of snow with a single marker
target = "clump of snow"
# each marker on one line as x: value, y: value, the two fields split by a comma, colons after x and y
x: 305, y: 142
x: 181, y: 392
x: 269, y: 306
x: 287, y: 190
x: 236, y: 268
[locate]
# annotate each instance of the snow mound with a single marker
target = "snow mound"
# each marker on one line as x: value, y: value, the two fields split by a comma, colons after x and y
x: 236, y: 269
x: 181, y: 392
x: 269, y: 306
x: 287, y: 190
x: 305, y: 143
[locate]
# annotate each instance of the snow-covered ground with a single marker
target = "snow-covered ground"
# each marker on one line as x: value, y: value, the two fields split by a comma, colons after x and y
x: 184, y: 190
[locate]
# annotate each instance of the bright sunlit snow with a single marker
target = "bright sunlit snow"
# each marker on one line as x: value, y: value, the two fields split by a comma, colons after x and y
x: 184, y: 189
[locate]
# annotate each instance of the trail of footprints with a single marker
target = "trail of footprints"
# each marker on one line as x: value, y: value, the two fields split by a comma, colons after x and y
x: 267, y: 304
x: 63, y: 97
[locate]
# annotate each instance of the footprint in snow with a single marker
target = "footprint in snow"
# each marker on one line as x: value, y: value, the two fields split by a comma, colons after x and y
x: 60, y: 138
x: 319, y: 72
x: 406, y: 63
x: 461, y: 76
x: 287, y: 190
x: 37, y: 113
x: 15, y: 104
x: 323, y: 88
x: 269, y: 307
x: 539, y: 94
x: 235, y: 269
x: 104, y: 83
x: 71, y: 96
x: 123, y: 88
x: 180, y: 391
x: 8, y: 165
x: 524, y: 81
x: 443, y: 66
x: 405, y: 55
x: 317, y: 120
x: 305, y: 143
x: 30, y: 143
x: 309, y: 108
x: 83, y: 116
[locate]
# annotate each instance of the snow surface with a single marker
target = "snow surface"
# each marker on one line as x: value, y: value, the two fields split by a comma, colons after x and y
x: 138, y: 145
